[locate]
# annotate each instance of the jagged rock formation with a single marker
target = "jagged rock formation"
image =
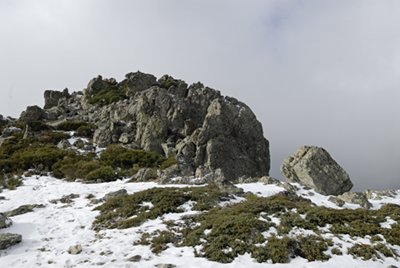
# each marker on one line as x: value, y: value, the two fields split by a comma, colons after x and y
x: 204, y: 130
x: 314, y: 167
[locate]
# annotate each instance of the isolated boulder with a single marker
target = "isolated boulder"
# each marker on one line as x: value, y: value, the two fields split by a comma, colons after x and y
x: 7, y: 240
x: 314, y: 167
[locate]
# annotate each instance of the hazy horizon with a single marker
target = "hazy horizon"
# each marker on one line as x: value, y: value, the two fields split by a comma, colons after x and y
x: 314, y: 72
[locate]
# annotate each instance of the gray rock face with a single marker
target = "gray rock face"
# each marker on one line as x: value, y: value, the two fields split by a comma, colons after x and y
x: 195, y: 124
x: 7, y: 240
x: 313, y: 167
x: 52, y: 97
x: 356, y: 198
x: 4, y: 221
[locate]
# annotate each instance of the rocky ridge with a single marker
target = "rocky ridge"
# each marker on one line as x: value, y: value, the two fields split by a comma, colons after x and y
x: 202, y: 129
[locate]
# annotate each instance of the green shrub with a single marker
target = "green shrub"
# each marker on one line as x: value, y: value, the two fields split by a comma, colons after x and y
x: 107, y: 96
x: 10, y: 183
x: 127, y: 211
x: 170, y: 161
x: 161, y: 240
x: 52, y: 137
x: 37, y: 126
x: 363, y: 251
x: 312, y: 248
x: 86, y: 131
x: 280, y: 250
x: 120, y: 157
x: 336, y: 251
x: 102, y: 174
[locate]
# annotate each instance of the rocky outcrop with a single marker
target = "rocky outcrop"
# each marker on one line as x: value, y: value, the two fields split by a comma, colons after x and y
x: 53, y: 97
x: 195, y: 124
x: 314, y: 167
x: 7, y: 240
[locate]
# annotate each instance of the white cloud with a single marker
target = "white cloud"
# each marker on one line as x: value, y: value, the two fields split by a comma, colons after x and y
x: 315, y: 72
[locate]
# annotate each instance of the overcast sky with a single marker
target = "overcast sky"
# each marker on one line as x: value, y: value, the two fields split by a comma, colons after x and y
x: 323, y: 73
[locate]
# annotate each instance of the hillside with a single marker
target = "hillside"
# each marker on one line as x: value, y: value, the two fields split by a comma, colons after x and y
x: 146, y: 172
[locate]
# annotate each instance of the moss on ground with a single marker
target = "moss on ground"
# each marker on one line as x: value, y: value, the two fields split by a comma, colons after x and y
x: 107, y: 96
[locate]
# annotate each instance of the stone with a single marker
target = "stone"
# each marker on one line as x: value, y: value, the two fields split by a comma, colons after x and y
x: 165, y: 265
x: 64, y: 144
x: 135, y: 258
x: 224, y: 185
x: 269, y: 180
x: 313, y: 167
x: 22, y: 210
x: 4, y: 221
x: 289, y: 187
x: 121, y: 192
x: 10, y: 131
x: 7, y: 240
x: 32, y: 113
x: 356, y: 198
x: 75, y: 250
x: 337, y: 201
x: 52, y: 97
x: 79, y: 143
x: 145, y: 174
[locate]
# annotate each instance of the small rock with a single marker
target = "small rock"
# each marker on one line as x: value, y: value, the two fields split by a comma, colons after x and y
x: 289, y: 187
x: 4, y: 221
x: 7, y: 240
x: 337, y: 201
x: 145, y: 174
x: 356, y: 198
x: 2, y: 198
x: 269, y: 180
x: 168, y: 265
x: 75, y: 250
x: 121, y: 192
x: 22, y: 210
x: 64, y: 144
x: 7, y: 132
x: 136, y: 258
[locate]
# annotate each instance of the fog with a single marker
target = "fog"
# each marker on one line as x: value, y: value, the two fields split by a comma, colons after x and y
x: 323, y: 73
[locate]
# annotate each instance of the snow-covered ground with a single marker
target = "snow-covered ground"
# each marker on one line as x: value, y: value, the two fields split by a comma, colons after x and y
x: 48, y: 232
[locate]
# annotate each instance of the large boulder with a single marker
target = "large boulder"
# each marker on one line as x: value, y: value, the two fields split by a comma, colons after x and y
x: 314, y: 167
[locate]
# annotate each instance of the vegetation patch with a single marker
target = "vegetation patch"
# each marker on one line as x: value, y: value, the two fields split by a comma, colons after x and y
x: 108, y: 95
x: 131, y: 210
x: 223, y: 233
x: 82, y: 128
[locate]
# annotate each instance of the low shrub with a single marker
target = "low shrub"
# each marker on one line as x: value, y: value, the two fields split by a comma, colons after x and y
x: 107, y: 96
x: 128, y: 211
x: 120, y: 157
x: 102, y: 174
